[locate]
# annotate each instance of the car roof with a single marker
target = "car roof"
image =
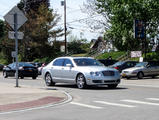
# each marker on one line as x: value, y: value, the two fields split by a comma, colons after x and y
x: 70, y: 57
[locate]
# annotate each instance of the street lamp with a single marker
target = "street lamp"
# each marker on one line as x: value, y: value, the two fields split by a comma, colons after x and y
x: 63, y: 3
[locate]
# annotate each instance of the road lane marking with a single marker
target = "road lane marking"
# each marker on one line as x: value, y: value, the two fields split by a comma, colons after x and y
x: 140, y: 102
x: 86, y: 105
x: 155, y: 99
x: 115, y: 104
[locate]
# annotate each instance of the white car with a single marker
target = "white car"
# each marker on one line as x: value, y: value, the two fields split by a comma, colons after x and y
x: 81, y: 71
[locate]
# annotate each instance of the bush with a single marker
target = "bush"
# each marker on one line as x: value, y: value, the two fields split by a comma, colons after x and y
x: 152, y: 56
x: 114, y: 55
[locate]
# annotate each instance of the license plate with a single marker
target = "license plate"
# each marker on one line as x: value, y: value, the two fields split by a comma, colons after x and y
x: 123, y: 74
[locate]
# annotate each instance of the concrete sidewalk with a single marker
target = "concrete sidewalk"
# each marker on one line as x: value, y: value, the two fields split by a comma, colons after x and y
x: 24, y: 97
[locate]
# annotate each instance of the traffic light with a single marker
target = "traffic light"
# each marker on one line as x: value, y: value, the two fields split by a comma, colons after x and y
x: 139, y: 26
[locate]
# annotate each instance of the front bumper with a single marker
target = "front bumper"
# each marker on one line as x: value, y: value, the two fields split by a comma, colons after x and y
x: 124, y: 75
x: 102, y: 80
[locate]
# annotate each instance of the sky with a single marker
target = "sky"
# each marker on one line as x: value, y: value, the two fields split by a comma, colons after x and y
x: 73, y: 15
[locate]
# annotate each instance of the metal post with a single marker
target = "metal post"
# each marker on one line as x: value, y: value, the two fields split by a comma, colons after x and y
x: 16, y: 45
x: 65, y: 28
x: 145, y: 46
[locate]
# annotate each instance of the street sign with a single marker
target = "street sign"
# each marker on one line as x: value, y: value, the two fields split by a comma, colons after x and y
x: 136, y: 53
x: 21, y: 19
x: 11, y: 35
x: 16, y: 19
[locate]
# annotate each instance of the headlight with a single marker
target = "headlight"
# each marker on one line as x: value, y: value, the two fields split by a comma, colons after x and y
x: 21, y: 68
x: 96, y: 74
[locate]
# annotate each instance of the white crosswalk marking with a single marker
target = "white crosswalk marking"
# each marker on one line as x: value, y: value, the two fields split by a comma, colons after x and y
x: 114, y: 104
x: 157, y: 99
x: 141, y: 102
x: 85, y: 105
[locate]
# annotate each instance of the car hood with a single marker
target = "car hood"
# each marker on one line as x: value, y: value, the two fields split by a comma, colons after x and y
x: 95, y: 68
x: 133, y: 69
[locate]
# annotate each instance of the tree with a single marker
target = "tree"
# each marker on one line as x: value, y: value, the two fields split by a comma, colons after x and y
x: 40, y: 30
x: 97, y: 22
x: 77, y: 46
x: 6, y: 45
x: 2, y: 28
x: 29, y: 5
x: 121, y: 15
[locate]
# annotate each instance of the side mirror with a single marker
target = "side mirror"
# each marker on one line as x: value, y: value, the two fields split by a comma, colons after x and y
x: 68, y: 65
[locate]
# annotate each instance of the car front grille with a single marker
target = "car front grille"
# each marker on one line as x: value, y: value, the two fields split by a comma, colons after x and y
x: 108, y: 73
x: 111, y: 81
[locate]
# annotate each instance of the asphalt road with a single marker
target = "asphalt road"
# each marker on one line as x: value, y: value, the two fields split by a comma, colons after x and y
x: 131, y: 100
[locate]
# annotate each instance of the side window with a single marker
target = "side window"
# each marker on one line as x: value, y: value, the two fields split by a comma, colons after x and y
x: 67, y: 61
x: 152, y: 64
x: 58, y: 62
x: 128, y: 64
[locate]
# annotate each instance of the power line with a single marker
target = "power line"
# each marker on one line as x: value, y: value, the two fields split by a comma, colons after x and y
x: 78, y: 20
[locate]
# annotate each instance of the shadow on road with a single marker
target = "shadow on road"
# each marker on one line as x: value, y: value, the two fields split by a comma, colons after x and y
x: 101, y: 87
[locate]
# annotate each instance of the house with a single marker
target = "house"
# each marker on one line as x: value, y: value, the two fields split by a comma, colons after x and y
x: 99, y: 45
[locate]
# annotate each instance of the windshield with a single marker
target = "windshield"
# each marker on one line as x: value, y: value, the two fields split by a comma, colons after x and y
x: 25, y: 64
x: 87, y: 62
x: 141, y: 64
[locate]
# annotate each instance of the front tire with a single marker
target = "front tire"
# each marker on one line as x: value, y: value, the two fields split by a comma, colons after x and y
x: 140, y: 75
x: 48, y: 80
x: 81, y: 81
x: 34, y: 77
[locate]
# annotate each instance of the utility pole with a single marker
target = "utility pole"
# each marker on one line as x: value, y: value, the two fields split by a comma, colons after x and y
x: 63, y: 3
x: 65, y: 28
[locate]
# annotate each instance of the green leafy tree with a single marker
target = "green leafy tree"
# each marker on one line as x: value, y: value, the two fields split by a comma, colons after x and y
x: 6, y: 45
x: 29, y: 5
x: 40, y: 30
x: 121, y: 15
x: 77, y: 46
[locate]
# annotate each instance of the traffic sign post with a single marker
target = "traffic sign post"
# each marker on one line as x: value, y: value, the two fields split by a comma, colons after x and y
x: 16, y: 46
x: 16, y: 19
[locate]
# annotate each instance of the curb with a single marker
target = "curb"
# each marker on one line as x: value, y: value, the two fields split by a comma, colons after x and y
x: 60, y: 101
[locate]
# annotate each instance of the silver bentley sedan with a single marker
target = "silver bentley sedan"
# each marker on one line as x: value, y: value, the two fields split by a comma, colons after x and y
x: 82, y: 71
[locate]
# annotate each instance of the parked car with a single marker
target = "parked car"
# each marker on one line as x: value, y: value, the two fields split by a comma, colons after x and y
x: 142, y: 69
x: 107, y: 62
x: 81, y: 71
x: 24, y: 70
x: 121, y: 65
